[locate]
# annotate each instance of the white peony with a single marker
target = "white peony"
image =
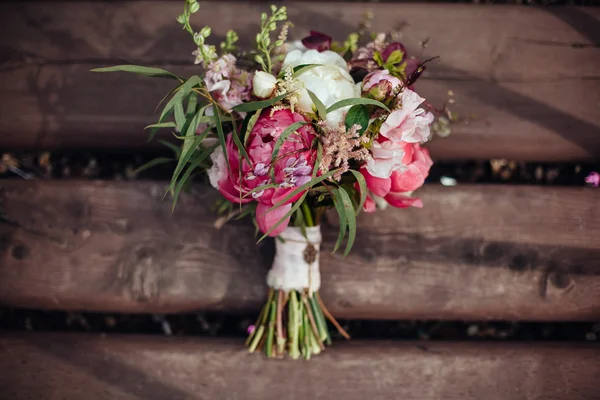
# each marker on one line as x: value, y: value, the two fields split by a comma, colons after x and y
x: 263, y: 84
x: 330, y: 82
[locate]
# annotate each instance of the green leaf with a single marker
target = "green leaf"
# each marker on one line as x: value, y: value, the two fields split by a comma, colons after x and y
x: 318, y: 104
x: 251, y: 124
x: 257, y: 105
x: 152, y: 163
x: 349, y: 211
x: 287, y: 215
x: 179, y: 116
x: 304, y: 187
x: 394, y: 58
x: 362, y: 184
x: 221, y: 136
x: 147, y: 71
x: 240, y: 146
x: 378, y: 59
x: 165, y: 112
x: 189, y: 146
x: 281, y: 139
x: 355, y: 101
x: 176, y: 149
x: 193, y: 165
x: 180, y: 96
x: 162, y: 125
x: 302, y: 68
x: 339, y: 207
x: 359, y: 115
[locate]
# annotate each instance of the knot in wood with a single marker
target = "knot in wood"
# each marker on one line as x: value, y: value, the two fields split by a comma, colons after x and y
x: 310, y: 254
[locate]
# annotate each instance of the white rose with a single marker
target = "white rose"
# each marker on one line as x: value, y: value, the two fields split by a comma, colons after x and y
x: 263, y: 84
x: 330, y: 82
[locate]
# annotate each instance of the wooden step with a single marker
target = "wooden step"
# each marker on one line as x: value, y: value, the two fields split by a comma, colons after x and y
x: 525, y: 78
x: 77, y: 366
x: 473, y: 252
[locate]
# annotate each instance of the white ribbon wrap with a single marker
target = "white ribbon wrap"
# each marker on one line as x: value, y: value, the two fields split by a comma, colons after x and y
x: 290, y: 270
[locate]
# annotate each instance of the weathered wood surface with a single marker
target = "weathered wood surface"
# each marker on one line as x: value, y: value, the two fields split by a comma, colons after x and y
x: 473, y: 252
x: 66, y: 367
x: 527, y: 78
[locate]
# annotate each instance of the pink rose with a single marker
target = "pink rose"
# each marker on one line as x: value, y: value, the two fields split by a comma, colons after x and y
x: 409, y: 123
x: 293, y: 168
x: 380, y: 85
x: 396, y: 189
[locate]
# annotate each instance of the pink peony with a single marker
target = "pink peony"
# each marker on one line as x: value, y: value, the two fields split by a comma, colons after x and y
x: 387, y: 157
x: 293, y: 168
x: 396, y: 189
x: 409, y: 123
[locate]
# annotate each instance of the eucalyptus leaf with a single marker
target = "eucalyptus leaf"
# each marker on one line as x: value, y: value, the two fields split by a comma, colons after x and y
x: 349, y: 211
x: 161, y: 125
x: 171, y: 146
x: 362, y: 184
x: 295, y: 206
x: 339, y: 207
x: 221, y: 135
x: 186, y: 153
x: 137, y: 69
x: 195, y: 163
x: 300, y: 69
x: 304, y: 187
x: 251, y: 123
x: 355, y: 101
x: 167, y: 110
x: 257, y: 105
x: 152, y: 163
x: 321, y: 111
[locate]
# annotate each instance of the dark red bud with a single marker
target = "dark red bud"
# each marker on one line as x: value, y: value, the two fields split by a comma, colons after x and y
x: 317, y: 41
x: 390, y: 48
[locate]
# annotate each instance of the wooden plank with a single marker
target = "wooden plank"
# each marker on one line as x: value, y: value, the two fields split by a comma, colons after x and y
x: 53, y: 366
x: 498, y: 61
x: 473, y: 252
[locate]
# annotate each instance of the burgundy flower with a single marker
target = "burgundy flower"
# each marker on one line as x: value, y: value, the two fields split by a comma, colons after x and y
x: 390, y: 48
x: 317, y: 41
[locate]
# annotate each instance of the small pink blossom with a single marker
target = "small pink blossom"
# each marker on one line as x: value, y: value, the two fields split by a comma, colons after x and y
x: 593, y: 179
x: 229, y: 85
x: 408, y: 123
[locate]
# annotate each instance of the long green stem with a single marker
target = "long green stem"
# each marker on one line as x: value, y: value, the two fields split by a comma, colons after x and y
x: 293, y: 325
x: 271, y: 329
x: 308, y: 218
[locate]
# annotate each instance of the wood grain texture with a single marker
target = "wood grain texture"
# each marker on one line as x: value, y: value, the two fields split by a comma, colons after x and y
x: 526, y: 78
x: 473, y: 252
x: 65, y: 367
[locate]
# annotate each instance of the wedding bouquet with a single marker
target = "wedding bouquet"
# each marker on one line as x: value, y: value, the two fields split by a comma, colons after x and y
x: 289, y: 130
